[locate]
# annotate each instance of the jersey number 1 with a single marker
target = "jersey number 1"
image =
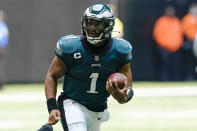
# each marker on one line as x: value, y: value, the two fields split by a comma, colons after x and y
x: 94, y: 77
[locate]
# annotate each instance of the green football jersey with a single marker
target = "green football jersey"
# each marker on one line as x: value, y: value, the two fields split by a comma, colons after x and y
x: 88, y: 68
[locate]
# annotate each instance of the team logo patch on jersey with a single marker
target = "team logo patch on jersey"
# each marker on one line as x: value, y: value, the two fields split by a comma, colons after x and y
x: 96, y: 65
x: 96, y: 58
x: 77, y: 55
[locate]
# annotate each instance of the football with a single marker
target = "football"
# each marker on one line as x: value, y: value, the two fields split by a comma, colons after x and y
x: 120, y: 78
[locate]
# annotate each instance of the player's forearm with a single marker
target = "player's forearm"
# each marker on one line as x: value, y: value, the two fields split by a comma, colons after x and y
x: 50, y: 86
x: 130, y: 92
x: 130, y: 79
x: 127, y: 72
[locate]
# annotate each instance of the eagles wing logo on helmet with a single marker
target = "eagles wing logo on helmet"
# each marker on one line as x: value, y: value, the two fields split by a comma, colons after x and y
x: 97, y: 23
x: 97, y: 8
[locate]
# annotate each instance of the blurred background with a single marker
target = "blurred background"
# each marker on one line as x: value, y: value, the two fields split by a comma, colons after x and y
x: 36, y: 25
x: 164, y: 73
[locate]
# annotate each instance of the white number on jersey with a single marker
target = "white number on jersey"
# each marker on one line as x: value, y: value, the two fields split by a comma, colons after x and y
x: 94, y: 77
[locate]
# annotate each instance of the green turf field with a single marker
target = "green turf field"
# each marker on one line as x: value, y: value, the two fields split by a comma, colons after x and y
x: 23, y: 108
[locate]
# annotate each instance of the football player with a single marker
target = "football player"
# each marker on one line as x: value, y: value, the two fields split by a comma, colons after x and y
x: 85, y: 62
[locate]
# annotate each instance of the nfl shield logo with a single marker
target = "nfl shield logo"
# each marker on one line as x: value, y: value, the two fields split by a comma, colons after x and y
x: 96, y: 58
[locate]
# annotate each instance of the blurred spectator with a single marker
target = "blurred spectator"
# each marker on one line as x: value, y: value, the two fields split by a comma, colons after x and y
x: 195, y: 46
x: 167, y: 33
x: 118, y: 30
x: 195, y: 50
x: 4, y: 34
x: 189, y: 25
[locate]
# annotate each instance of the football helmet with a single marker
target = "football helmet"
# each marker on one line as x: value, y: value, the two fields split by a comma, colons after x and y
x: 97, y: 23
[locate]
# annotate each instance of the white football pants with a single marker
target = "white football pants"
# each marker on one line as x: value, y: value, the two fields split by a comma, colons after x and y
x: 79, y: 118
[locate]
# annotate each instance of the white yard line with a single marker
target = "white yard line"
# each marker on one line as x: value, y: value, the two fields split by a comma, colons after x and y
x: 156, y: 114
x: 21, y: 97
x: 139, y: 92
x: 10, y: 124
x: 160, y: 92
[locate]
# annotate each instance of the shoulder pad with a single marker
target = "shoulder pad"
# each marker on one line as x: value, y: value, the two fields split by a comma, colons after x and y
x: 68, y: 44
x: 122, y: 45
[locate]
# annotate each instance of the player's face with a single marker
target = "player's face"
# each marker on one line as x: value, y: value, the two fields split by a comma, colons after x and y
x: 94, y: 27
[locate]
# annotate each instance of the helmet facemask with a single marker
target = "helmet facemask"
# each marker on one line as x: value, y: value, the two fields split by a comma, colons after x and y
x: 95, y: 30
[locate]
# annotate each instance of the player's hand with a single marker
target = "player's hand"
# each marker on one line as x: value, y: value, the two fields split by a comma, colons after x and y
x: 54, y: 117
x: 118, y: 94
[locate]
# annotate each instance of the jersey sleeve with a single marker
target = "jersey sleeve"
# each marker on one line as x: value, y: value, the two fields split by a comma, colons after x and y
x: 59, y: 48
x: 127, y: 56
x: 125, y: 50
x: 65, y: 48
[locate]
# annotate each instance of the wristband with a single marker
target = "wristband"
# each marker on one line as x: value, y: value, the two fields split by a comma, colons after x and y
x: 129, y: 94
x: 51, y: 104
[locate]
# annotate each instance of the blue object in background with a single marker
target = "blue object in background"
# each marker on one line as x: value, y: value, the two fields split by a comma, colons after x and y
x: 4, y: 34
